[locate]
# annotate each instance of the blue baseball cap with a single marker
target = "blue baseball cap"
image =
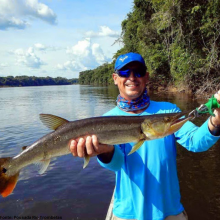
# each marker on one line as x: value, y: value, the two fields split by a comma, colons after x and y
x: 124, y: 59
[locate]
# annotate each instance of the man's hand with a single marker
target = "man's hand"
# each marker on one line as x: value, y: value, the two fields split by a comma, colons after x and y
x: 214, y: 122
x: 90, y: 145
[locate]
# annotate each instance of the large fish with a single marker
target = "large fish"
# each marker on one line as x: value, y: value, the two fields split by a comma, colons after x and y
x: 109, y: 130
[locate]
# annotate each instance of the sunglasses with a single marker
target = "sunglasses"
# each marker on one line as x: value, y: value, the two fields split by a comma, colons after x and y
x: 139, y: 72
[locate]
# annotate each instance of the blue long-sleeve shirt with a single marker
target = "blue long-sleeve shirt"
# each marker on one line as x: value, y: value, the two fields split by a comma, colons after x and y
x: 147, y: 186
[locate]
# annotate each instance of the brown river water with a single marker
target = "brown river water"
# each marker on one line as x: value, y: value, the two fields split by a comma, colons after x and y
x: 67, y: 191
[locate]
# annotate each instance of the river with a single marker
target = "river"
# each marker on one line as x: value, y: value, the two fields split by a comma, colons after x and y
x: 68, y: 191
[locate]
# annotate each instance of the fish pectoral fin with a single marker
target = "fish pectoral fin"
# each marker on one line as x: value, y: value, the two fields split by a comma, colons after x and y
x: 52, y: 121
x: 42, y: 165
x: 86, y: 161
x: 7, y: 183
x: 136, y: 146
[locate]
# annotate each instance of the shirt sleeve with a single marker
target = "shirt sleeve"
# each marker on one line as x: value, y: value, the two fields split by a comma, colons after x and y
x: 196, y: 139
x: 116, y: 162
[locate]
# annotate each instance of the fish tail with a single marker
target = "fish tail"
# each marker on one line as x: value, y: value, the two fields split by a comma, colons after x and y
x: 7, y: 183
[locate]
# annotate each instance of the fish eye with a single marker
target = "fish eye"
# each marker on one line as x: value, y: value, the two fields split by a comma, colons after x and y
x: 166, y: 119
x: 4, y: 170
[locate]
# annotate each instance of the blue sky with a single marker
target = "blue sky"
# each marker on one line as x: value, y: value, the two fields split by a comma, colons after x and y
x: 58, y: 37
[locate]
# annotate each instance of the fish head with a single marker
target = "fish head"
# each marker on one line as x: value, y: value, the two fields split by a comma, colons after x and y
x: 159, y: 126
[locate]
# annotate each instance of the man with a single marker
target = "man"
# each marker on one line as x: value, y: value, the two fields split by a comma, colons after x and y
x: 147, y: 185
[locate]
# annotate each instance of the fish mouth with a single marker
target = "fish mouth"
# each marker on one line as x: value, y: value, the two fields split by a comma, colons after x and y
x: 179, y: 121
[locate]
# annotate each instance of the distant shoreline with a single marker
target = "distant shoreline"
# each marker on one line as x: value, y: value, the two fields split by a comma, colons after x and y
x: 38, y: 85
x: 23, y: 81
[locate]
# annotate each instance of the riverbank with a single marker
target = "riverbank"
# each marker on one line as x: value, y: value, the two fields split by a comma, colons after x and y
x: 197, y: 91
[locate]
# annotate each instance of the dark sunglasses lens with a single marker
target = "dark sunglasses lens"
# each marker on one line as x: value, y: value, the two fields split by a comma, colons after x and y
x: 140, y: 73
x: 124, y: 73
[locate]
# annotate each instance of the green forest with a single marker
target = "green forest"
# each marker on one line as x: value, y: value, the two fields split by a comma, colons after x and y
x: 35, y: 81
x: 179, y: 40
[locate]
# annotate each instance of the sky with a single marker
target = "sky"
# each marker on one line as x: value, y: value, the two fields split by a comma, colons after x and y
x: 58, y: 37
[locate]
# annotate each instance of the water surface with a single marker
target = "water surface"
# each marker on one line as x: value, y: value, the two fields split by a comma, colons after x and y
x: 67, y: 190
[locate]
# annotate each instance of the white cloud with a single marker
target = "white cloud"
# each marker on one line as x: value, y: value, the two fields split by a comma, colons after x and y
x: 98, y: 53
x: 15, y: 12
x: 81, y: 49
x: 71, y: 65
x: 40, y: 46
x: 12, y: 23
x: 84, y: 56
x: 104, y: 32
x: 28, y: 58
x: 2, y: 65
x: 39, y: 10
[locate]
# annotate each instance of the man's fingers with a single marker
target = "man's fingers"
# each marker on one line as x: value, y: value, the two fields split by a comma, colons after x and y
x: 81, y: 147
x: 73, y: 147
x: 89, y: 146
x: 217, y: 95
x: 95, y: 143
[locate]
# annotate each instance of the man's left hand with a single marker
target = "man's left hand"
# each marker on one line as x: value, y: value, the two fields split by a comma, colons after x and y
x: 214, y: 122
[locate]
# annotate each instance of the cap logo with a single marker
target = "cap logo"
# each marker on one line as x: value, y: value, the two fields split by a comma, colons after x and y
x: 122, y: 59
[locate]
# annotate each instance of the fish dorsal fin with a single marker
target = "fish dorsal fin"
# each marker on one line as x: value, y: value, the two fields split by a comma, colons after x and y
x: 42, y: 165
x: 52, y: 121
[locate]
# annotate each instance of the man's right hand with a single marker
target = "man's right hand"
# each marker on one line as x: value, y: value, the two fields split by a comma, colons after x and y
x: 91, y: 146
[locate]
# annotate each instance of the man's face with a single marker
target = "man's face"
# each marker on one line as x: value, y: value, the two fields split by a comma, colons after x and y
x: 131, y: 87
